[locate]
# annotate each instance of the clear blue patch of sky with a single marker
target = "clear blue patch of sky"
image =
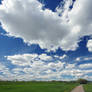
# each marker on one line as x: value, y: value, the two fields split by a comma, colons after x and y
x: 11, y: 45
x: 0, y: 1
x: 52, y: 4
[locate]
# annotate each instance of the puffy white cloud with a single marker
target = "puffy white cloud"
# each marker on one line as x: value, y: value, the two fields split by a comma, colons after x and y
x: 3, y: 69
x: 72, y: 72
x: 30, y: 67
x: 28, y: 59
x: 70, y: 66
x: 35, y: 61
x: 35, y: 67
x: 22, y: 60
x: 84, y: 58
x: 88, y: 58
x: 38, y: 69
x: 26, y: 19
x: 45, y: 57
x: 87, y: 77
x: 62, y: 57
x: 81, y: 16
x: 89, y: 45
x: 78, y: 59
x: 80, y: 20
x: 32, y: 24
x: 83, y: 66
x: 87, y: 71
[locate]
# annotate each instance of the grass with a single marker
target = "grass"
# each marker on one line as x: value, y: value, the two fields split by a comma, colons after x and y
x: 36, y: 86
x: 88, y: 87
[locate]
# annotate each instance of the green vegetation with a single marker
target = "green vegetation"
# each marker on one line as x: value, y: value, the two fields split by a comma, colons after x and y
x: 37, y: 86
x: 88, y: 87
x: 82, y: 81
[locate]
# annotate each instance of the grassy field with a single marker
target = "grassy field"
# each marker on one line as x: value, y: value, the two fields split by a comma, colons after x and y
x: 36, y: 86
x: 88, y: 87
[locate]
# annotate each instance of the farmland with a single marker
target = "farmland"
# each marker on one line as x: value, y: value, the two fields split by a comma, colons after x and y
x: 36, y: 86
x: 88, y: 87
x: 41, y: 86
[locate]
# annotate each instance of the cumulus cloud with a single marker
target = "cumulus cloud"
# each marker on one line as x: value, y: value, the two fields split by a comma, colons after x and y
x: 82, y: 13
x: 61, y: 57
x: 3, y: 69
x: 83, y: 66
x: 45, y: 57
x: 70, y: 66
x: 31, y: 67
x: 89, y: 45
x: 78, y: 59
x: 88, y: 58
x: 77, y: 73
x: 35, y: 66
x: 84, y: 58
x: 32, y: 24
x: 22, y: 60
x: 27, y: 19
x: 28, y: 59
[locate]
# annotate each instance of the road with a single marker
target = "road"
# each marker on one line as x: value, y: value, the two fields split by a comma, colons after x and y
x: 78, y: 89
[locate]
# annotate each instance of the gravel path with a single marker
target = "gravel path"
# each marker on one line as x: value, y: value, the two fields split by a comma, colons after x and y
x: 78, y: 89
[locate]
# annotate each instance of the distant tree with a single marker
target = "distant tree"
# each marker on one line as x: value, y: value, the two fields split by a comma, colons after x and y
x: 82, y: 81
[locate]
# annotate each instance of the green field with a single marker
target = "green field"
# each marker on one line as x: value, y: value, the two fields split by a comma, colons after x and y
x: 88, y: 87
x: 36, y: 86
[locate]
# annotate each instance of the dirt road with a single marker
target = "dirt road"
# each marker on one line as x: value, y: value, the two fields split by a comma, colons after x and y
x: 78, y: 89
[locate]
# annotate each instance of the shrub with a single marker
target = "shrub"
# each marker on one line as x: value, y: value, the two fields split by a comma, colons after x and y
x: 82, y: 81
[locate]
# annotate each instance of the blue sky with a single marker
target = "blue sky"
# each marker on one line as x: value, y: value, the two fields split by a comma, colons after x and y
x: 47, y: 45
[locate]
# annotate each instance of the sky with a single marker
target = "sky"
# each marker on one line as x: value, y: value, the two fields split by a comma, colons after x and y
x: 45, y: 40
